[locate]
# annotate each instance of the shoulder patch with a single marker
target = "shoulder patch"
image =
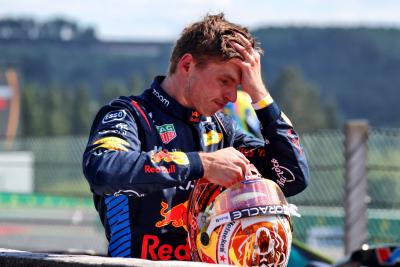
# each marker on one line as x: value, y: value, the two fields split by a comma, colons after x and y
x: 116, y: 115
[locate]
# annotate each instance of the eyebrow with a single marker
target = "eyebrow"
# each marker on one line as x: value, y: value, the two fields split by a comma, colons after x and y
x: 229, y: 77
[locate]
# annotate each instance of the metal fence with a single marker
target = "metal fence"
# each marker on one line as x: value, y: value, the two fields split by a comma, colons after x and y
x: 57, y: 170
x: 322, y: 204
x: 57, y: 164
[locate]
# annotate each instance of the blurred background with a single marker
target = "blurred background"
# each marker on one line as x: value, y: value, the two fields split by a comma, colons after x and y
x: 325, y: 63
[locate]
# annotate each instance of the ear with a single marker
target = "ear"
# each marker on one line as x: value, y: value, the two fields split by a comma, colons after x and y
x: 185, y: 63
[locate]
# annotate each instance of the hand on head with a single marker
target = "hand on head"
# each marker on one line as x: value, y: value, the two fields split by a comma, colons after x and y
x: 250, y: 66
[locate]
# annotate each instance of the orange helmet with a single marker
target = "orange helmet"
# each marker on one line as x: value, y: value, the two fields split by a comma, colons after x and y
x: 247, y: 224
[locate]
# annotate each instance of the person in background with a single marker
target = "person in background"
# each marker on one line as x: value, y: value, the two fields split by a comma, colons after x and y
x: 243, y: 114
x: 145, y: 152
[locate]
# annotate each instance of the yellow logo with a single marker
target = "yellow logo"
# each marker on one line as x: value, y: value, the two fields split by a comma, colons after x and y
x: 212, y: 137
x: 112, y: 143
x: 177, y: 157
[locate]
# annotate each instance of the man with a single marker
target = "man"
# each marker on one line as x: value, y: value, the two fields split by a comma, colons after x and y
x: 145, y: 152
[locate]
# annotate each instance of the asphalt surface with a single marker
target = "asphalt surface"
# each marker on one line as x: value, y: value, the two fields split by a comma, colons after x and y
x: 52, y: 230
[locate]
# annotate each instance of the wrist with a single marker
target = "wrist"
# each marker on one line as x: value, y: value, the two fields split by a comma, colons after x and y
x: 204, y: 161
x: 257, y: 92
x: 262, y: 102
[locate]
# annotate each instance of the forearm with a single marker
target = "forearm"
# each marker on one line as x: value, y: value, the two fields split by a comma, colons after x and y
x: 279, y: 156
x: 139, y: 173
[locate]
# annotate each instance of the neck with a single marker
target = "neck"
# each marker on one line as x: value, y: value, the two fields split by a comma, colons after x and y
x: 176, y: 88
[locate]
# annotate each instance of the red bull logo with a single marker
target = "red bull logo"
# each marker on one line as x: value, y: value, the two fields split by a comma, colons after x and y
x: 112, y: 143
x: 152, y: 249
x: 176, y: 216
x: 295, y: 140
x: 177, y: 157
x: 159, y: 169
x: 195, y: 117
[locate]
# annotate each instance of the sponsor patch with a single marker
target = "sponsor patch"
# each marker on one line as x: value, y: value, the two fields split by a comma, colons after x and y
x: 177, y: 157
x: 195, y: 117
x: 259, y: 211
x: 176, y: 215
x: 154, y: 249
x: 116, y: 115
x: 225, y: 240
x: 112, y: 143
x: 283, y: 173
x: 167, y: 132
x: 161, y: 97
x: 128, y: 192
x: 212, y: 137
x: 294, y: 139
x: 159, y: 169
x: 122, y: 126
x: 109, y: 132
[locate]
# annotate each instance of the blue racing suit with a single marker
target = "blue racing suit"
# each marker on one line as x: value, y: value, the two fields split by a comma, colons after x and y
x: 142, y: 159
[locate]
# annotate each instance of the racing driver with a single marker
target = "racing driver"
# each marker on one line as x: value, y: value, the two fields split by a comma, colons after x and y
x: 145, y: 152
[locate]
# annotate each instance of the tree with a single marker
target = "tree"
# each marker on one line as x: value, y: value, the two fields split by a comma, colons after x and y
x: 57, y: 29
x: 32, y: 112
x: 137, y: 84
x: 111, y: 91
x: 300, y: 101
x: 18, y: 29
x: 56, y: 119
x: 81, y: 116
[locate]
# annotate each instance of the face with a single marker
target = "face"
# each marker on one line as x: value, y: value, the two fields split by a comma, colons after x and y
x: 209, y: 88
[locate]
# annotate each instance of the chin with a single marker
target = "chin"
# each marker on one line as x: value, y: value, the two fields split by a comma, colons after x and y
x: 211, y: 112
x: 207, y: 114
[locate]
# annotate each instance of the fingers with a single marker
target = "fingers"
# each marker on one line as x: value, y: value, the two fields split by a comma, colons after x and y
x: 245, y: 52
x: 240, y: 63
x: 242, y: 164
x: 245, y: 41
x: 245, y: 48
x: 236, y: 177
x: 240, y: 155
x: 226, y: 167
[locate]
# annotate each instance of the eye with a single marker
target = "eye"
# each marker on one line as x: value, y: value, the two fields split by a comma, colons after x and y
x: 224, y: 82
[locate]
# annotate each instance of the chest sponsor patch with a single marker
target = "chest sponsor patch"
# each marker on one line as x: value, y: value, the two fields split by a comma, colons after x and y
x: 116, y: 115
x: 167, y: 132
x: 177, y: 157
x: 212, y: 137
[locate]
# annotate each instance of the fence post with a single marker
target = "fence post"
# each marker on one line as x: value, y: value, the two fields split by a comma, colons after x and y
x: 356, y: 229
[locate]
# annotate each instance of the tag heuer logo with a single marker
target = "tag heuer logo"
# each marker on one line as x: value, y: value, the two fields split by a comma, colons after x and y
x: 167, y: 132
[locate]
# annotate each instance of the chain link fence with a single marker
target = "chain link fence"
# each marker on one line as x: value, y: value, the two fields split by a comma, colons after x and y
x: 322, y: 203
x: 57, y: 164
x: 58, y: 171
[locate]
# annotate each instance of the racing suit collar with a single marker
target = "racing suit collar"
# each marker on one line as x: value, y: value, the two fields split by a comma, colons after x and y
x: 169, y: 104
